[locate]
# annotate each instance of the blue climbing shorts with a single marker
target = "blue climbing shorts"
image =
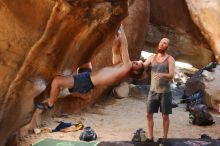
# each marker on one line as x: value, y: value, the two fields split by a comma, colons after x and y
x: 82, y: 83
x: 81, y: 70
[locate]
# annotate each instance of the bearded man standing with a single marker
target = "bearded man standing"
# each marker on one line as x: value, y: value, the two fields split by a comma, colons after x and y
x: 162, y: 72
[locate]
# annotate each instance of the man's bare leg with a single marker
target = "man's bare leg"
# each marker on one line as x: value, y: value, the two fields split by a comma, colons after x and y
x: 57, y: 83
x: 150, y: 125
x: 166, y: 123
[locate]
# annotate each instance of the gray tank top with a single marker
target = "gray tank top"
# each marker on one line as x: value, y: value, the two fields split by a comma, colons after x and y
x: 161, y: 85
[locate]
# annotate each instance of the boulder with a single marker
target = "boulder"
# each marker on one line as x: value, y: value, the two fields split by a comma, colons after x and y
x: 36, y: 46
x: 172, y: 19
x: 72, y: 103
x: 136, y: 27
x: 212, y: 89
x: 206, y: 15
x: 133, y: 24
x: 121, y: 91
x: 194, y: 84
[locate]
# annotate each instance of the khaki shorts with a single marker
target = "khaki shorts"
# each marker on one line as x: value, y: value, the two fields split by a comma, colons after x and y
x: 162, y: 100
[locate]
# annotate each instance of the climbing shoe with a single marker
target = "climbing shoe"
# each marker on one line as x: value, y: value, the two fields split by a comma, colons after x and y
x: 43, y: 106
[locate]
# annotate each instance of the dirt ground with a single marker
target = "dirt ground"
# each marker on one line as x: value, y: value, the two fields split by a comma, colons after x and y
x: 117, y: 120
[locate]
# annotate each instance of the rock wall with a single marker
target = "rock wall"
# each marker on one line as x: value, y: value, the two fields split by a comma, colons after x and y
x: 172, y: 19
x: 208, y: 84
x: 40, y: 39
x: 19, y: 31
x: 206, y: 15
x: 136, y: 27
x: 31, y: 69
x: 212, y: 89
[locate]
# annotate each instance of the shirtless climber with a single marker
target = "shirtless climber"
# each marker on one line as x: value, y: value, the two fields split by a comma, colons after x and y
x: 83, y: 82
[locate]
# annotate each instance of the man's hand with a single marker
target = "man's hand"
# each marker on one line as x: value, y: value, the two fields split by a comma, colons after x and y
x: 158, y: 76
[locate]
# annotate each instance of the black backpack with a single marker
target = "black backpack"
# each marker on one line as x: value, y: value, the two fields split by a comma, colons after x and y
x: 199, y: 115
x: 203, y: 118
x: 88, y: 134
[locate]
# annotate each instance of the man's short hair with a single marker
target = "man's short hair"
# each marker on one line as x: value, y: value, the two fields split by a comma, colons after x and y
x: 139, y: 74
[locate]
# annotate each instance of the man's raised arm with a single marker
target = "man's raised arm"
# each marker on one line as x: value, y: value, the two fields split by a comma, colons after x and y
x: 124, y: 47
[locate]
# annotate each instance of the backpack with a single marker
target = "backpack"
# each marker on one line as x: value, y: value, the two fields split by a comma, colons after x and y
x: 200, y: 116
x: 88, y: 134
x: 203, y: 118
x: 139, y: 136
x: 193, y: 100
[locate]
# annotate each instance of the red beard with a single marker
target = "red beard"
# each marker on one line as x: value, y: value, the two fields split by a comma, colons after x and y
x: 161, y: 51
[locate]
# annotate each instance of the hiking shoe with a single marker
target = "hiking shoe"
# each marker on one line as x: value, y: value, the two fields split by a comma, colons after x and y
x: 161, y: 141
x: 43, y: 106
x: 148, y: 140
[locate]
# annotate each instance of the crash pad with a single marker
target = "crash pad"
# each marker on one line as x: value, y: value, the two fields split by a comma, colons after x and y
x: 169, y: 142
x: 192, y: 142
x: 55, y: 142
